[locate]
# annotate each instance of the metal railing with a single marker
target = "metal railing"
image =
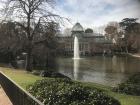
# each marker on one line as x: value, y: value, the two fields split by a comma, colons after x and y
x: 16, y: 94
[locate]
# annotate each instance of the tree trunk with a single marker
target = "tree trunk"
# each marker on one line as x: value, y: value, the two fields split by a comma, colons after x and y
x: 29, y: 48
x: 29, y: 58
x: 126, y: 45
x: 126, y: 48
x: 120, y: 48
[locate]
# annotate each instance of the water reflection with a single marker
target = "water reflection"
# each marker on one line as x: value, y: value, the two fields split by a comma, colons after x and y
x: 76, y: 68
x: 103, y: 70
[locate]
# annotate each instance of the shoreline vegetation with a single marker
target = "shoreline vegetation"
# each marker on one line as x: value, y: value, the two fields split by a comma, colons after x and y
x: 131, y: 86
x: 24, y: 79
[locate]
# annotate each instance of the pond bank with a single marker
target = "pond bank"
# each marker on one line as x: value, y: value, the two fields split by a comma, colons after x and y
x: 135, y: 55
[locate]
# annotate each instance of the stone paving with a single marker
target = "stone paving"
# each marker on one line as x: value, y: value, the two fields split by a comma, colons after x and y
x: 4, y: 100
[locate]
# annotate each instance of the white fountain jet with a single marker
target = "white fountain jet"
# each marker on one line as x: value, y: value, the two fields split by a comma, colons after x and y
x: 76, y: 48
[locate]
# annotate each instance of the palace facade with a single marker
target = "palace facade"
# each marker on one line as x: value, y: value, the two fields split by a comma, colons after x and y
x: 90, y: 43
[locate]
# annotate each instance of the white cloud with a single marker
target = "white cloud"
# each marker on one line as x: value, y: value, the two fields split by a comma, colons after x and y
x: 98, y: 12
x: 92, y: 13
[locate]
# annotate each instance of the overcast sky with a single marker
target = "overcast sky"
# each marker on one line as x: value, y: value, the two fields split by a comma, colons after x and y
x: 95, y: 13
x: 92, y: 13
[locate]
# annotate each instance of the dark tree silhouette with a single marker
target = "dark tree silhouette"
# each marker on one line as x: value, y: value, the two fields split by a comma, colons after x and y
x: 128, y: 25
x: 88, y: 30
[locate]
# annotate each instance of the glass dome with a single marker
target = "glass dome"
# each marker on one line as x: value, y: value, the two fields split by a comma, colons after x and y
x: 77, y: 28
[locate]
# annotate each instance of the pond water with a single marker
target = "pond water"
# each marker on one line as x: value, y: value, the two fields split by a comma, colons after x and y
x: 99, y: 69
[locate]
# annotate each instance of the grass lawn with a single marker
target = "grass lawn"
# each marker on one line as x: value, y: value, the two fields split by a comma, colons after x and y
x: 21, y: 77
x: 24, y: 79
x: 123, y: 98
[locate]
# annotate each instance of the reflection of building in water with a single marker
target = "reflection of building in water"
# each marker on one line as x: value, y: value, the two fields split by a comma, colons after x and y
x: 89, y: 42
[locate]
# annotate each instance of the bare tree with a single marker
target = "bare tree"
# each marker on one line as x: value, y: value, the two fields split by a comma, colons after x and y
x: 29, y: 14
x: 111, y: 31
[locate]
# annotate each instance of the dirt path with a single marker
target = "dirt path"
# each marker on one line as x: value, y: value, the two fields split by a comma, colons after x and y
x: 4, y: 100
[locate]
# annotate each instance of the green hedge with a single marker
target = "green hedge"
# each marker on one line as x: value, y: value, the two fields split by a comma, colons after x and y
x: 66, y: 92
x: 131, y: 86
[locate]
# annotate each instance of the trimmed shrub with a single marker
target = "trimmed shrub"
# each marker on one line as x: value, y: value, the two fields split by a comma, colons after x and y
x: 131, y: 86
x: 66, y: 92
x: 52, y: 74
x: 49, y: 73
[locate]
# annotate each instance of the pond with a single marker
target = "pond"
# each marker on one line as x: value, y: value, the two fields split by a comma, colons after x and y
x: 100, y: 69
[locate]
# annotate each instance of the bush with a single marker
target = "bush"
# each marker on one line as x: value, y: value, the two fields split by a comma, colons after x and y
x: 52, y: 74
x: 134, y: 79
x: 131, y: 86
x: 49, y: 73
x: 66, y: 92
